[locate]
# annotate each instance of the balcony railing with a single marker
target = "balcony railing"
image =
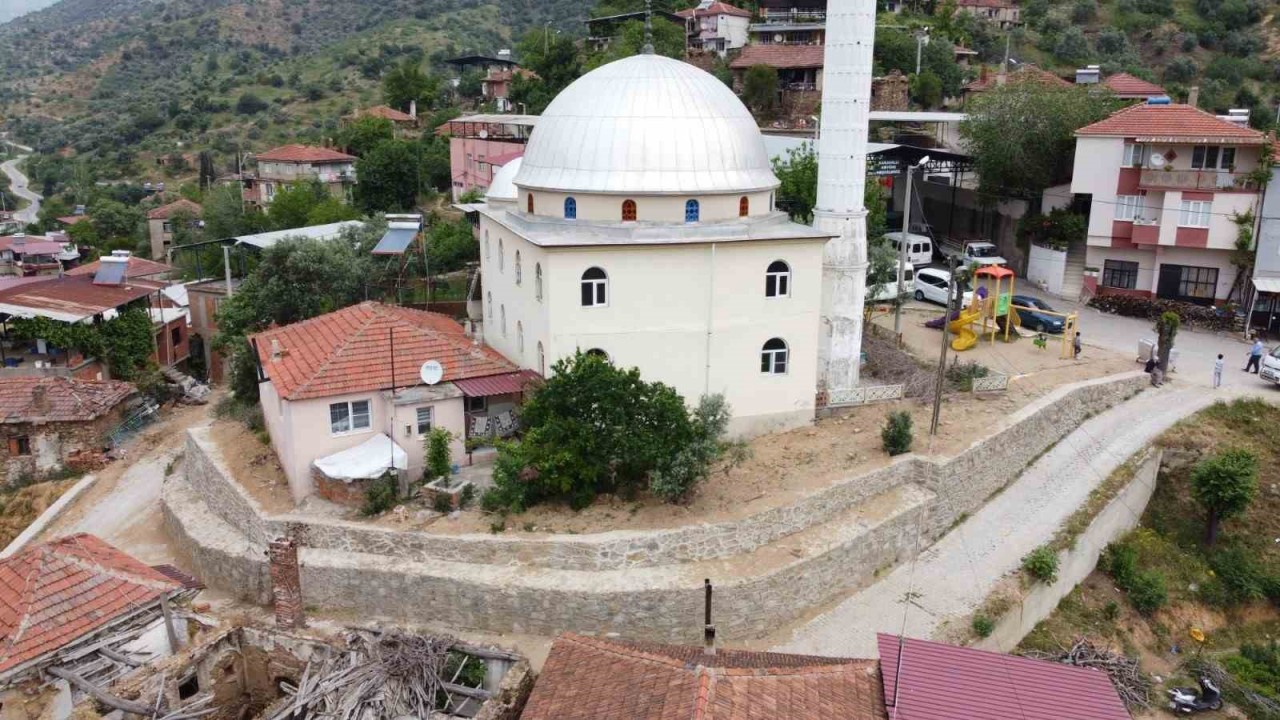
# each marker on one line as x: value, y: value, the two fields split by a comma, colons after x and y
x: 1196, y: 180
x: 794, y: 15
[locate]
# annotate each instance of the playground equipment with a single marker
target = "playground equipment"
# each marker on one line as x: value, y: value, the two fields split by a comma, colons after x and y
x: 993, y: 307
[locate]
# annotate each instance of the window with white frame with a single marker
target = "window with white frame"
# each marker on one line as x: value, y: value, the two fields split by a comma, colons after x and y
x: 777, y: 279
x: 1195, y: 213
x: 345, y: 417
x: 1129, y: 207
x: 773, y: 357
x: 595, y: 288
x: 426, y: 416
x: 1134, y: 154
x: 1212, y: 157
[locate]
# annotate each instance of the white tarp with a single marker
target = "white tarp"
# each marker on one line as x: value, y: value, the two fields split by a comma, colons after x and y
x: 369, y: 459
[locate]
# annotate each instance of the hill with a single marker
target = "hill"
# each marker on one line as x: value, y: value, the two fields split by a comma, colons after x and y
x: 125, y: 81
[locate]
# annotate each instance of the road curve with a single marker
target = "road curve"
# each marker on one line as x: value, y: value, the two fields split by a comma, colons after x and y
x: 18, y: 184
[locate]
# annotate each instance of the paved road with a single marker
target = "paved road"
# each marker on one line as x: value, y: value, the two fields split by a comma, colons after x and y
x: 953, y: 577
x: 18, y: 184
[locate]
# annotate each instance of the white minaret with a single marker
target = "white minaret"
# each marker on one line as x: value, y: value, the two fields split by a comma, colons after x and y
x: 842, y: 172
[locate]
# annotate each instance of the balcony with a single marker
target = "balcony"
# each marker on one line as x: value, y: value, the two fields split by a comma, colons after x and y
x: 1146, y: 231
x: 1195, y: 180
x: 794, y: 15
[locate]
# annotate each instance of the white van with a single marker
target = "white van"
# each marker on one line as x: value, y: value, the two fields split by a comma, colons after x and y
x: 919, y: 247
x: 888, y: 290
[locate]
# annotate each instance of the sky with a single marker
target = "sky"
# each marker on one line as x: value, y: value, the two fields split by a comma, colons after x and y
x: 10, y: 9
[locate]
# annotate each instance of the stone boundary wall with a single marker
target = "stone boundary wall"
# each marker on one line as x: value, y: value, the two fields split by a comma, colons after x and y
x: 962, y: 484
x: 1074, y: 564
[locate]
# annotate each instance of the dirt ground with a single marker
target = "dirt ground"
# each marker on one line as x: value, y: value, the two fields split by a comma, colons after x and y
x: 19, y: 508
x: 253, y: 463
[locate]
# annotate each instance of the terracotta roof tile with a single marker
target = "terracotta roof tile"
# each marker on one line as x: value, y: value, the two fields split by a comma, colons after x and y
x: 935, y: 681
x: 779, y: 56
x: 1022, y: 74
x: 1171, y: 122
x: 386, y: 113
x: 1128, y: 86
x: 165, y: 211
x: 54, y: 593
x: 304, y: 154
x: 590, y: 679
x: 715, y: 8
x: 59, y: 399
x: 72, y: 219
x: 137, y: 268
x: 349, y: 351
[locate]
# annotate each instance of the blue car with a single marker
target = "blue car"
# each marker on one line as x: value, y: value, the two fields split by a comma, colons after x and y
x: 1037, y: 321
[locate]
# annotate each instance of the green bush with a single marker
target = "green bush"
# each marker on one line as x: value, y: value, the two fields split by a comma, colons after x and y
x: 1121, y: 562
x: 1041, y: 564
x: 961, y: 374
x: 381, y: 495
x: 441, y: 503
x: 1241, y: 578
x: 675, y: 479
x: 896, y: 435
x: 983, y: 626
x: 1147, y: 592
x: 467, y: 497
x: 1111, y: 611
x: 439, y: 456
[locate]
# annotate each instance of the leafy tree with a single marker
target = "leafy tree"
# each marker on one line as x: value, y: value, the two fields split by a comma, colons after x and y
x: 1166, y: 331
x: 470, y: 84
x: 450, y: 245
x: 437, y: 173
x: 675, y: 480
x: 331, y: 210
x: 408, y: 82
x: 1181, y: 69
x: 1224, y: 484
x: 1112, y: 42
x: 798, y: 178
x: 927, y: 89
x: 388, y: 177
x: 250, y: 104
x: 293, y: 203
x: 760, y: 90
x: 1072, y: 46
x: 554, y: 62
x: 365, y: 133
x: 113, y: 220
x: 668, y: 39
x: 223, y: 213
x: 439, y: 457
x: 1022, y: 134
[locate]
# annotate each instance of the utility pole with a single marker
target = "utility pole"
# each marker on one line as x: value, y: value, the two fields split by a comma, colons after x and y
x: 903, y: 242
x: 946, y: 341
x: 922, y: 39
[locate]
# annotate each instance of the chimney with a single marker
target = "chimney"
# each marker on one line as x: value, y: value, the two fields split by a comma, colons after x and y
x: 277, y: 352
x: 39, y: 400
x: 708, y: 630
x: 413, y: 109
x: 1193, y: 96
x: 286, y: 583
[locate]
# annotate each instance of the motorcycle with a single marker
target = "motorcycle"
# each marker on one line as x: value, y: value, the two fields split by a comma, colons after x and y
x: 1187, y: 700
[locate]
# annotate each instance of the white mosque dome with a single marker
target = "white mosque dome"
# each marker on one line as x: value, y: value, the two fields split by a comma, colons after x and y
x: 646, y: 124
x: 502, y: 187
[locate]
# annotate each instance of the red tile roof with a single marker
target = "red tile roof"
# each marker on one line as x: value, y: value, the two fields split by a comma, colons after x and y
x: 1176, y: 123
x: 1128, y: 86
x: 779, y: 56
x: 304, y: 154
x: 592, y: 679
x: 715, y: 8
x: 386, y: 113
x: 137, y: 268
x: 35, y: 244
x: 55, y: 593
x: 936, y: 681
x: 997, y: 4
x: 59, y: 399
x: 349, y: 351
x: 1024, y: 73
x: 72, y: 219
x: 165, y: 211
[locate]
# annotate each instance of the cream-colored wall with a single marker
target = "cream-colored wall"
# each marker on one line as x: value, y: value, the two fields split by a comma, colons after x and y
x: 1222, y: 230
x: 448, y: 414
x: 1096, y: 172
x: 158, y: 238
x: 1198, y: 257
x: 520, y: 301
x: 649, y: 208
x: 1178, y: 157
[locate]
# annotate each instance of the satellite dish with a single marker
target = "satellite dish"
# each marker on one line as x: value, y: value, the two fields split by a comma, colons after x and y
x: 778, y: 38
x: 1157, y: 160
x: 483, y: 133
x: 431, y: 372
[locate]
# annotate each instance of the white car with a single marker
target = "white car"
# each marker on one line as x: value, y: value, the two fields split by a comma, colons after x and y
x: 888, y: 290
x: 932, y: 283
x: 982, y: 253
x: 1270, y: 369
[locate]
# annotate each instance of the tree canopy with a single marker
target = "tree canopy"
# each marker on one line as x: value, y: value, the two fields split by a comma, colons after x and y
x: 365, y: 133
x: 408, y: 82
x: 554, y: 60
x: 1224, y: 484
x: 388, y: 177
x: 760, y: 90
x: 668, y: 39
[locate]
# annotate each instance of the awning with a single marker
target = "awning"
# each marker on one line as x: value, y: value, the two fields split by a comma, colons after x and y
x: 1267, y: 284
x: 505, y: 384
x: 395, y: 242
x: 369, y: 459
x: 468, y: 207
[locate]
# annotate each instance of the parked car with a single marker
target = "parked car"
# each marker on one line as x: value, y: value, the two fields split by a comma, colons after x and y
x: 982, y: 253
x: 888, y: 288
x: 1038, y: 321
x: 919, y: 247
x: 1270, y: 369
x: 932, y: 283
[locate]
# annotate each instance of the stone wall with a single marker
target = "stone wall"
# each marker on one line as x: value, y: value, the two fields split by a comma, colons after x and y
x: 51, y: 444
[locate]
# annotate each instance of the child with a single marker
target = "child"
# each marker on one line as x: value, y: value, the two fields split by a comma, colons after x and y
x: 1217, y: 371
x: 1077, y: 345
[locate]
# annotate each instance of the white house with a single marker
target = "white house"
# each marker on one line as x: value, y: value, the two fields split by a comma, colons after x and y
x: 1166, y: 181
x: 716, y: 26
x: 640, y: 224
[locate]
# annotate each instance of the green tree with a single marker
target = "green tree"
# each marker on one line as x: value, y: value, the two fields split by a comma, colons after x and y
x: 1021, y: 135
x: 1166, y: 332
x: 408, y: 82
x: 1072, y: 46
x: 292, y: 205
x: 554, y: 62
x: 364, y: 134
x: 926, y: 88
x: 1224, y: 484
x: 450, y: 245
x: 388, y: 177
x: 114, y: 220
x: 437, y: 173
x: 331, y: 210
x: 668, y: 39
x: 223, y: 213
x: 250, y: 104
x: 470, y: 84
x: 439, y: 457
x: 760, y: 90
x: 798, y: 175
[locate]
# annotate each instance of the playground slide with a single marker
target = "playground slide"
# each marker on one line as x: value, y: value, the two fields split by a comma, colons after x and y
x: 965, y: 336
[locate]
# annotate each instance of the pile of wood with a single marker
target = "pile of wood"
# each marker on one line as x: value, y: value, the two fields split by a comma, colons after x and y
x: 1133, y: 685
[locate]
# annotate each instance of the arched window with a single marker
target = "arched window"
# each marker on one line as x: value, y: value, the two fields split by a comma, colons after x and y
x: 691, y: 211
x: 744, y: 206
x: 628, y: 210
x: 502, y: 256
x: 570, y: 209
x: 773, y: 357
x: 486, y: 244
x: 520, y: 337
x: 519, y: 273
x: 595, y: 288
x: 597, y: 352
x: 490, y: 313
x: 528, y: 203
x: 537, y: 281
x: 777, y: 280
x: 502, y: 309
x: 542, y: 360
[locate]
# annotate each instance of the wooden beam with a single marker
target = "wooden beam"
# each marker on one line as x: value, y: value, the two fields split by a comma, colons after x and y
x: 174, y: 647
x: 485, y: 653
x: 119, y: 657
x: 99, y: 694
x: 463, y: 690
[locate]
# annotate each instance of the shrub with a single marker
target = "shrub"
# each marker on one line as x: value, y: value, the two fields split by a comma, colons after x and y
x: 1241, y: 578
x: 983, y: 626
x: 441, y: 503
x: 1121, y: 562
x: 676, y: 479
x: 248, y: 104
x: 467, y: 497
x: 1111, y: 611
x: 439, y: 455
x: 896, y: 435
x: 1224, y: 483
x: 1041, y: 564
x: 962, y: 374
x: 381, y: 495
x: 1147, y: 592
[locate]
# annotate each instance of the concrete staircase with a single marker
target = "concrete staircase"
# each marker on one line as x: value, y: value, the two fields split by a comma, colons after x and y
x: 1073, y: 274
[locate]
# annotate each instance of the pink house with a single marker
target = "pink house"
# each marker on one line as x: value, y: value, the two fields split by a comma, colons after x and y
x: 480, y: 144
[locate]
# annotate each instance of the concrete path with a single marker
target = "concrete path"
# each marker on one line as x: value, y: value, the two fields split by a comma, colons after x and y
x: 18, y: 184
x: 954, y: 576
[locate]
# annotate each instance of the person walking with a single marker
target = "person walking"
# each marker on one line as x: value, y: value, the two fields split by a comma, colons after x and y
x: 1217, y: 371
x: 1076, y: 345
x: 1255, y: 356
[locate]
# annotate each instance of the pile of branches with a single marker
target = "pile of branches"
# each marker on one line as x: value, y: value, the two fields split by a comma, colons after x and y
x: 891, y: 365
x: 388, y: 675
x: 1198, y: 317
x: 1133, y: 685
x: 1258, y: 705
